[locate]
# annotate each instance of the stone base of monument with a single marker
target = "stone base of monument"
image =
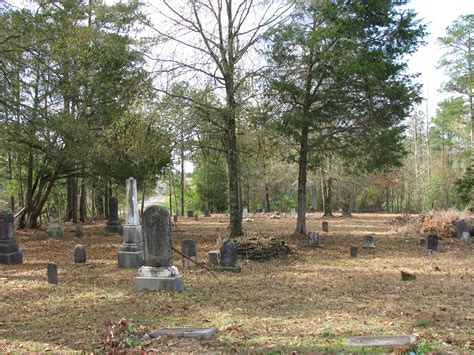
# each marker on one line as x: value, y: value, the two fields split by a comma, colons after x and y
x: 130, y: 255
x: 55, y: 232
x: 10, y: 253
x: 159, y: 279
x: 130, y: 259
x: 113, y: 227
x: 235, y: 269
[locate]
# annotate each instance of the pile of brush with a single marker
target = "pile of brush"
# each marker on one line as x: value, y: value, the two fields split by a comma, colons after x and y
x: 261, y: 248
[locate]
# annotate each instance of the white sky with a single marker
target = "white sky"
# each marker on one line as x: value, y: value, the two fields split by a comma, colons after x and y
x: 438, y: 15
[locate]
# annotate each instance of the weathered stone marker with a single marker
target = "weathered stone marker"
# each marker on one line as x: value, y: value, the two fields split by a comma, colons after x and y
x: 462, y: 226
x: 79, y: 254
x: 10, y: 252
x: 207, y: 213
x: 325, y: 226
x: 245, y: 213
x: 158, y: 272
x: 213, y: 257
x: 466, y: 237
x: 228, y: 257
x: 130, y: 254
x: 189, y: 249
x: 432, y: 242
x: 196, y: 333
x: 313, y: 240
x: 190, y: 214
x: 353, y: 251
x: 381, y: 340
x: 196, y: 218
x: 368, y: 242
x: 52, y: 273
x: 113, y: 225
x: 407, y: 276
x: 54, y: 227
x: 422, y: 241
x: 78, y: 230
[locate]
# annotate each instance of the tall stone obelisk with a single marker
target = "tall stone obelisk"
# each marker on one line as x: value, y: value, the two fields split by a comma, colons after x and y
x: 130, y: 254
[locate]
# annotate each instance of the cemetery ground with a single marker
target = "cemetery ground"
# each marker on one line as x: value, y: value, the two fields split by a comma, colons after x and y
x: 310, y: 300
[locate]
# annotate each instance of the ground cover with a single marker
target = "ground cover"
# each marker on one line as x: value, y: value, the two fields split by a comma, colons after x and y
x: 309, y: 301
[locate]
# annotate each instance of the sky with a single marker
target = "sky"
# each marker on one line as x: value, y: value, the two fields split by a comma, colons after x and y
x: 438, y: 15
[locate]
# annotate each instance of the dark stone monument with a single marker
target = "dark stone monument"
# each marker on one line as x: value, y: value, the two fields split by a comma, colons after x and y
x: 79, y: 254
x: 325, y: 226
x: 353, y: 251
x: 313, y: 240
x: 52, y: 273
x: 130, y: 254
x: 190, y: 214
x: 78, y: 230
x: 113, y: 225
x: 189, y: 249
x: 54, y: 227
x: 432, y: 242
x: 368, y: 242
x: 228, y: 257
x: 10, y: 252
x: 213, y: 257
x: 462, y: 226
x: 158, y: 272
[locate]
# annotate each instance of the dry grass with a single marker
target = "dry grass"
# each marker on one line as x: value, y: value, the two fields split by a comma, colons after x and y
x: 309, y: 301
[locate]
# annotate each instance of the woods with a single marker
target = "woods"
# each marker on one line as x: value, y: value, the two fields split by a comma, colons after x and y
x: 275, y: 106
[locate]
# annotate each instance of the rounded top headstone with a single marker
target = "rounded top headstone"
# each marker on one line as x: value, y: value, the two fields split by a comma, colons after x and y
x: 157, y: 247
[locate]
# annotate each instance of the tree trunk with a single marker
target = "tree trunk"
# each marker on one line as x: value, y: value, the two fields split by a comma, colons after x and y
x: 182, y: 176
x: 72, y: 208
x: 327, y: 196
x: 232, y: 166
x: 302, y: 167
x: 267, y: 199
x: 83, y: 203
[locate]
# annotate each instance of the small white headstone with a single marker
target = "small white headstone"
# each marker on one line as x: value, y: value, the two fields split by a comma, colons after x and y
x: 245, y: 213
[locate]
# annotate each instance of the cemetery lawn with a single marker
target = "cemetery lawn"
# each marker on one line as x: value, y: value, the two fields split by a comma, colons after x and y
x: 309, y: 301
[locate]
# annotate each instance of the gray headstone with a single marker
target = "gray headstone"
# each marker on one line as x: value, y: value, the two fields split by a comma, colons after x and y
x: 52, y: 273
x: 325, y: 226
x: 197, y: 333
x: 245, y: 213
x: 313, y: 240
x: 130, y: 254
x: 78, y: 230
x: 157, y: 237
x: 54, y: 227
x: 213, y: 257
x: 462, y: 226
x: 429, y: 252
x: 196, y: 218
x: 190, y: 214
x: 346, y: 210
x: 466, y: 237
x: 353, y: 251
x: 432, y: 242
x: 79, y: 254
x: 228, y: 254
x: 381, y: 340
x: 189, y: 249
x: 10, y: 252
x: 207, y: 213
x: 113, y: 224
x: 368, y: 242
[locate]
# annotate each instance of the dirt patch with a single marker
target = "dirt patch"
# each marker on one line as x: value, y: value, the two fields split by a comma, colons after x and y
x: 309, y: 300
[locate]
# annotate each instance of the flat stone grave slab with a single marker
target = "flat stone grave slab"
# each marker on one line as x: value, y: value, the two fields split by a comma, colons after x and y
x: 381, y: 340
x: 235, y: 269
x: 197, y: 333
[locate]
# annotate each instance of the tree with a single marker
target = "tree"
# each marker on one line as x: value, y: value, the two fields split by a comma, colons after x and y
x: 338, y: 78
x: 458, y: 62
x: 217, y: 37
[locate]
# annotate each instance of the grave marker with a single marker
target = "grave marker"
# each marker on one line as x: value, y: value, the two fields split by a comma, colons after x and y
x: 113, y: 225
x: 189, y: 249
x: 79, y: 254
x: 325, y: 226
x: 52, y: 273
x: 10, y: 252
x: 368, y: 242
x: 54, y: 227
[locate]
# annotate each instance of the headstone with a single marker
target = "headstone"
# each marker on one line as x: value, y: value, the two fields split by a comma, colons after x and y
x: 196, y: 333
x: 368, y: 242
x: 325, y: 226
x: 466, y: 237
x: 189, y: 249
x: 78, y: 230
x: 381, y: 340
x: 346, y: 210
x: 10, y: 252
x: 293, y: 213
x: 54, y: 227
x: 422, y: 241
x: 312, y: 208
x: 52, y: 273
x: 245, y: 213
x: 432, y: 242
x: 113, y: 225
x: 175, y: 218
x: 158, y: 272
x: 196, y: 218
x: 313, y: 240
x: 213, y: 257
x: 429, y: 252
x: 79, y: 254
x: 130, y: 254
x: 228, y: 257
x: 462, y: 226
x: 353, y: 251
x: 190, y: 214
x: 407, y: 276
x: 207, y: 213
